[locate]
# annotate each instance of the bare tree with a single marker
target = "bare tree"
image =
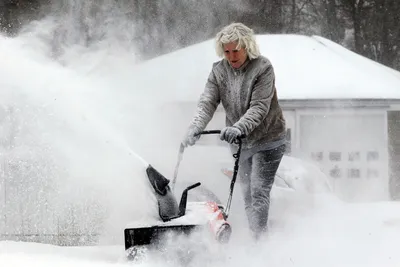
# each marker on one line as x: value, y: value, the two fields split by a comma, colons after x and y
x: 384, y: 33
x: 376, y: 28
x: 333, y: 29
x: 15, y: 13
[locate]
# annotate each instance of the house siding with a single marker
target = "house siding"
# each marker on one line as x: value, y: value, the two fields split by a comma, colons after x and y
x: 394, y: 153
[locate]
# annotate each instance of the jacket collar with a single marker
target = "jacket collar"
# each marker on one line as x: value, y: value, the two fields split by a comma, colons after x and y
x: 242, y: 68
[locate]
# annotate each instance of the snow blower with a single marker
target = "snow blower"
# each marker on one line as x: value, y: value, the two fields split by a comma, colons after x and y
x: 181, y: 219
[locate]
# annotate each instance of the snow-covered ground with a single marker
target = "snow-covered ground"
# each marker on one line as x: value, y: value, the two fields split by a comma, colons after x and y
x: 88, y: 128
x: 336, y: 235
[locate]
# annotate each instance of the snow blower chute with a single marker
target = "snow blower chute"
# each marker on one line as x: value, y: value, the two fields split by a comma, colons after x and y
x: 184, y: 218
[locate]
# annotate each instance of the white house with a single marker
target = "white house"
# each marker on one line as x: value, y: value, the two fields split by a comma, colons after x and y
x: 342, y: 109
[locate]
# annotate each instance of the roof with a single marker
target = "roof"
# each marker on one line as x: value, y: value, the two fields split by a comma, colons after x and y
x: 306, y: 67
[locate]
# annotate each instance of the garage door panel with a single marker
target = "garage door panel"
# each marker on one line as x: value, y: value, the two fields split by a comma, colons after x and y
x: 351, y: 149
x: 340, y: 131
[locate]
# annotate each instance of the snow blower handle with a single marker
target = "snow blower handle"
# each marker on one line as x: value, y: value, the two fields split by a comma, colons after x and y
x: 210, y: 132
x: 238, y: 141
x: 218, y: 132
x: 180, y: 156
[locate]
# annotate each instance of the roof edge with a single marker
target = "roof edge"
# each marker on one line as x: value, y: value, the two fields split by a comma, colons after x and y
x: 338, y: 103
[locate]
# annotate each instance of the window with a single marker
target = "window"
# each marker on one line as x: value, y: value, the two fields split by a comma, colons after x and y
x: 372, y: 156
x: 317, y: 156
x: 354, y: 156
x: 335, y: 172
x: 354, y: 173
x: 335, y: 156
x: 372, y: 173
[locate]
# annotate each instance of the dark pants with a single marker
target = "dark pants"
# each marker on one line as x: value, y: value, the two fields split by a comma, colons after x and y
x: 257, y: 175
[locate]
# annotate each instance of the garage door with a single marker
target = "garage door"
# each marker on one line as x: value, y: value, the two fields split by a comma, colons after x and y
x: 351, y: 148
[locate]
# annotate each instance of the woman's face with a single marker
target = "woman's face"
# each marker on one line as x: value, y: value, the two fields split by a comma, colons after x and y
x: 235, y: 56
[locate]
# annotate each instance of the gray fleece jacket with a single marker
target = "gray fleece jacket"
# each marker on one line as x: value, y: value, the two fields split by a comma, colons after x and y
x: 249, y: 98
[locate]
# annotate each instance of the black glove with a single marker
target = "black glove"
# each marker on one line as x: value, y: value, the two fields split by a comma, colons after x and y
x: 230, y: 134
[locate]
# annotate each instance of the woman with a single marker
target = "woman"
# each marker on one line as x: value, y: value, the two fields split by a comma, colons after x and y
x: 244, y: 82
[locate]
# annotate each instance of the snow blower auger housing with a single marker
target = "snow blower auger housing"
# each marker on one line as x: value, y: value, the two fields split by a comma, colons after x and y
x: 180, y: 219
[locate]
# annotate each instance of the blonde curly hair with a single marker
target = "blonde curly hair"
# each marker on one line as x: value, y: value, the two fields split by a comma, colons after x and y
x: 240, y: 33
